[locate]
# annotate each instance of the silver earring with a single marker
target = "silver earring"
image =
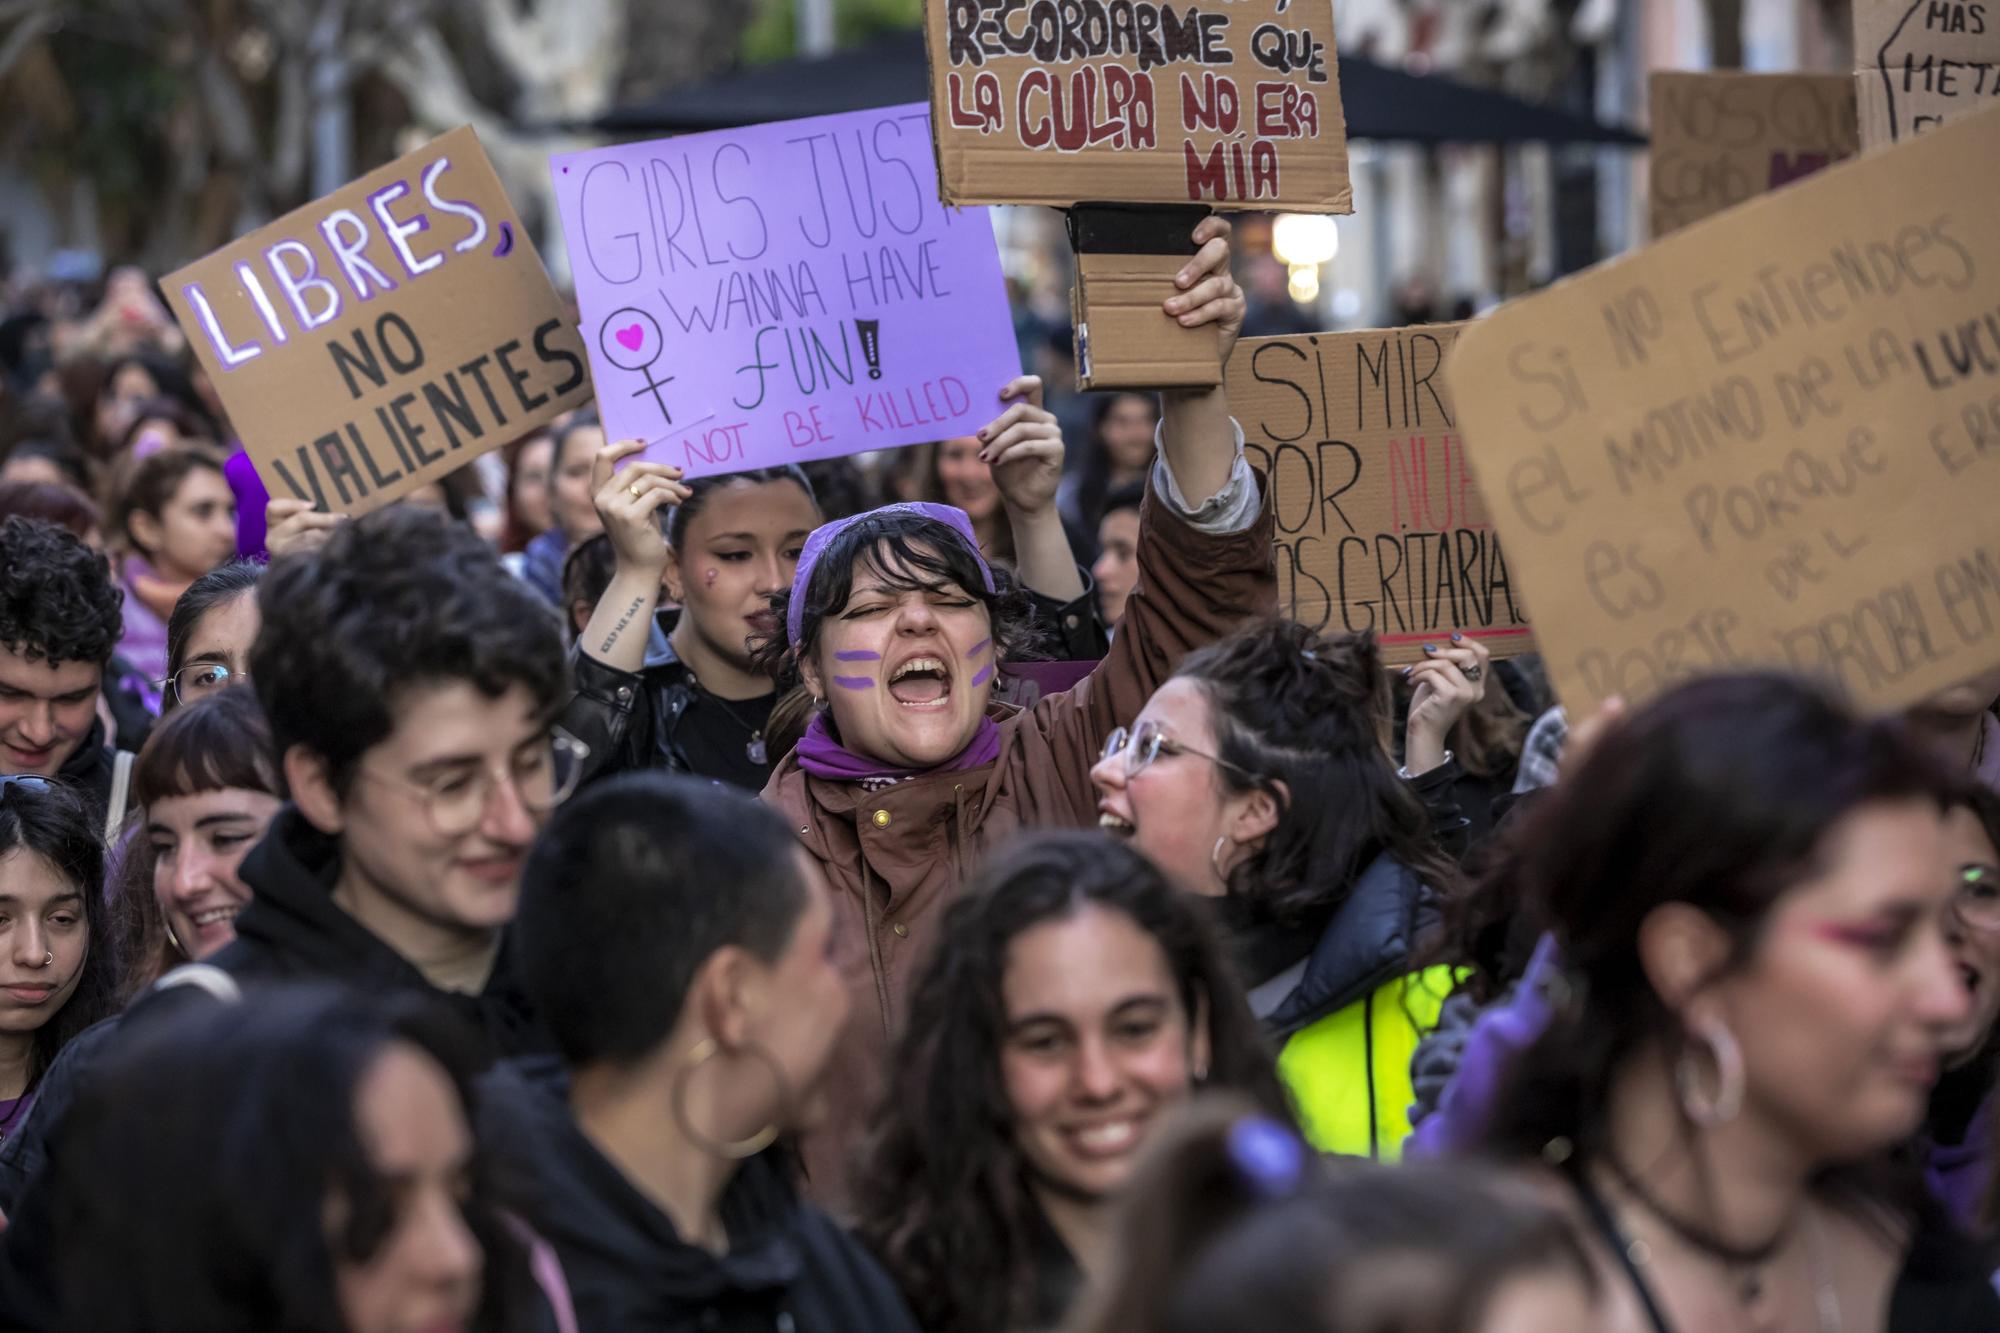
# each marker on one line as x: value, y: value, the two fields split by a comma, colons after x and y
x: 1703, y: 1109
x: 1215, y: 859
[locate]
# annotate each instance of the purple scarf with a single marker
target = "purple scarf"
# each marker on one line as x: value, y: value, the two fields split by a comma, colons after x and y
x: 824, y: 757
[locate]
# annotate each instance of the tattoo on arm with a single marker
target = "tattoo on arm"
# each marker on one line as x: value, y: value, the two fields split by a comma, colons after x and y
x: 624, y: 620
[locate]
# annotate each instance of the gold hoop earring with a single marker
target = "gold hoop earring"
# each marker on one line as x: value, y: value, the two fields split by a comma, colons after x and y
x: 167, y: 924
x: 705, y: 1051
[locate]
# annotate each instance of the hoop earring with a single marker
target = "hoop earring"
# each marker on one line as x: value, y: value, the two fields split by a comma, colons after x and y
x: 167, y: 924
x: 1215, y: 860
x: 1704, y: 1110
x: 705, y: 1051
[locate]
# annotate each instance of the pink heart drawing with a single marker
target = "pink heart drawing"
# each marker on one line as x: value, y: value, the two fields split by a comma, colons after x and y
x: 631, y: 336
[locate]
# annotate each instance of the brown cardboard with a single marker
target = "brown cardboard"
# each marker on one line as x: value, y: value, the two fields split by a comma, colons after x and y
x: 1920, y: 63
x: 1769, y: 440
x: 426, y: 346
x: 1380, y: 524
x: 1719, y: 139
x: 1246, y: 114
x: 1124, y: 340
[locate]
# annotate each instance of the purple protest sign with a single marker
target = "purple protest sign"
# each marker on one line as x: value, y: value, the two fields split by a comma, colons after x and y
x: 784, y: 292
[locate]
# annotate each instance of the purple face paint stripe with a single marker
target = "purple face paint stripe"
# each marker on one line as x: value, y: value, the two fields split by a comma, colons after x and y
x: 979, y: 647
x: 855, y: 682
x: 984, y: 674
x: 857, y: 655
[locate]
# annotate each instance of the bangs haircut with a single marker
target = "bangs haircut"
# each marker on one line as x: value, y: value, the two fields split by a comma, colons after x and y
x: 218, y: 743
x: 907, y: 553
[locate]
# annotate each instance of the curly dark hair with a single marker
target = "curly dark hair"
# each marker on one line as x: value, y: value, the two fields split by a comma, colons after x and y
x: 397, y: 598
x: 1312, y: 714
x: 943, y: 1196
x: 57, y: 603
x: 908, y: 552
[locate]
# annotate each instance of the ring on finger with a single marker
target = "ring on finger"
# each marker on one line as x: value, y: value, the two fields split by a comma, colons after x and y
x: 633, y: 489
x: 1474, y: 672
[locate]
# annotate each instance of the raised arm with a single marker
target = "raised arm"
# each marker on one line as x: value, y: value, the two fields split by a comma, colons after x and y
x: 629, y: 500
x: 1196, y: 437
x: 1024, y: 447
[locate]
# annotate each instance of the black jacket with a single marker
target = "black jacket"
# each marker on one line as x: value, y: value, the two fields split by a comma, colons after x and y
x: 89, y: 772
x: 789, y: 1269
x: 631, y: 719
x: 292, y: 931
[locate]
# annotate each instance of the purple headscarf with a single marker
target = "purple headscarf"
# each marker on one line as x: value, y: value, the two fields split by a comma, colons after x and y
x: 822, y: 537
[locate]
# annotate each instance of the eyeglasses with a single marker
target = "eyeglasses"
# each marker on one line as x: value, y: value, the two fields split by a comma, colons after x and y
x: 1148, y: 743
x: 455, y: 802
x: 1977, y: 902
x: 200, y: 679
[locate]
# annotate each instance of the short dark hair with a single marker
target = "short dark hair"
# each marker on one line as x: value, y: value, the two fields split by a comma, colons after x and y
x: 943, y: 1197
x: 701, y: 488
x: 622, y: 902
x: 65, y: 457
x: 243, y: 1116
x: 146, y: 485
x: 218, y: 742
x: 57, y: 603
x: 221, y: 585
x: 67, y: 508
x: 1132, y: 495
x: 54, y: 822
x: 909, y: 552
x: 397, y: 598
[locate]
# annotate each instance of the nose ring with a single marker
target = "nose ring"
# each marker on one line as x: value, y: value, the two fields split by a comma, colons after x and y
x: 50, y: 959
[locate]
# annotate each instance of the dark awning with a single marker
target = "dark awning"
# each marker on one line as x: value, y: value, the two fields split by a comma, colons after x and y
x: 1382, y: 103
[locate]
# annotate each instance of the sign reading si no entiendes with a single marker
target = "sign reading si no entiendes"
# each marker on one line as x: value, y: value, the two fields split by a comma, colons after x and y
x: 1235, y: 103
x: 1380, y: 524
x: 1771, y: 441
x: 385, y: 335
x: 784, y: 292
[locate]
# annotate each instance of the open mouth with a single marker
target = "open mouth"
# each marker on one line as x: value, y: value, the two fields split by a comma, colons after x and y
x: 1110, y: 1139
x: 1114, y: 824
x: 215, y: 916
x: 921, y: 682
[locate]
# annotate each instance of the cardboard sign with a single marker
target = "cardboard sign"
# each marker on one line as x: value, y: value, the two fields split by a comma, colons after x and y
x: 1234, y: 104
x: 1921, y: 63
x: 1719, y: 139
x: 385, y: 335
x: 1380, y: 525
x: 1771, y: 440
x: 785, y: 292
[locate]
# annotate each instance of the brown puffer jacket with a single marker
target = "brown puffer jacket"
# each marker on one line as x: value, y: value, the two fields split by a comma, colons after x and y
x: 895, y: 857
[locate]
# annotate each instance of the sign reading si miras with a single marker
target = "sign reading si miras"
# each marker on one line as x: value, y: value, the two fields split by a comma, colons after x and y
x: 1381, y: 525
x: 1232, y: 102
x: 374, y: 340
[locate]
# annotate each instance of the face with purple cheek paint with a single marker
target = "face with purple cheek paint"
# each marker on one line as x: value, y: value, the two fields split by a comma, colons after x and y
x: 907, y: 672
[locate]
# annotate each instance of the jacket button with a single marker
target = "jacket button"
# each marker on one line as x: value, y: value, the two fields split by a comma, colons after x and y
x: 881, y: 819
x: 1070, y: 621
x: 624, y: 694
x: 902, y: 931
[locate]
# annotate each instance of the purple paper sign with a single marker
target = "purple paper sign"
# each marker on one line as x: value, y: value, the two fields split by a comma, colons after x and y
x: 784, y: 292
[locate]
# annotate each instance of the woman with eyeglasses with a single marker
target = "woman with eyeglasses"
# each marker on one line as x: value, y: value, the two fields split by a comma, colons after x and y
x: 58, y: 974
x: 1259, y: 777
x: 210, y: 632
x: 1957, y: 1142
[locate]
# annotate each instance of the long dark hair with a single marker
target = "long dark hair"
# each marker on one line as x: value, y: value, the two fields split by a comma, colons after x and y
x: 1312, y: 713
x: 242, y: 1117
x: 943, y: 1198
x: 702, y: 489
x: 1720, y: 795
x: 47, y: 818
x: 1232, y: 1223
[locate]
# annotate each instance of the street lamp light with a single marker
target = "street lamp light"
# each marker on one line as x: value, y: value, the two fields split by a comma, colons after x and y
x: 1302, y: 242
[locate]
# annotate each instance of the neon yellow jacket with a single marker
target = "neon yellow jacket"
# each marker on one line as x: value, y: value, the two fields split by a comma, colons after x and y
x: 1349, y: 1072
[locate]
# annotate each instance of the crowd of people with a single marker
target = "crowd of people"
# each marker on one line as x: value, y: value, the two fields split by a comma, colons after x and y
x: 928, y: 891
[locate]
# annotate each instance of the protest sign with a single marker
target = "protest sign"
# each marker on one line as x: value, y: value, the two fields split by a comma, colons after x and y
x: 784, y: 292
x: 1772, y: 439
x: 1719, y: 139
x: 1380, y: 525
x: 385, y: 335
x: 1920, y: 63
x: 1130, y: 101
